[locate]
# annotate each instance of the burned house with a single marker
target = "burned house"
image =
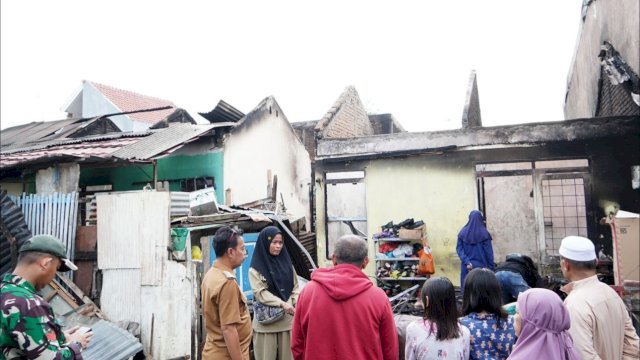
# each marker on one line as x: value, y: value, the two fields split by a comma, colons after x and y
x: 536, y: 183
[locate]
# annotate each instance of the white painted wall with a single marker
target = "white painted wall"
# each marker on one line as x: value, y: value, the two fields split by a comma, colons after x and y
x: 94, y: 103
x: 88, y: 102
x: 267, y: 141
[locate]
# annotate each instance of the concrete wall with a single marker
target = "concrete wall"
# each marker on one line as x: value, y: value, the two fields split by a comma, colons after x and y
x: 266, y: 141
x: 510, y: 215
x: 440, y: 190
x: 12, y: 188
x: 60, y: 178
x: 615, y: 21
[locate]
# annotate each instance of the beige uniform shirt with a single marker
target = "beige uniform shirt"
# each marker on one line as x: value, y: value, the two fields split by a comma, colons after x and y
x: 223, y: 303
x: 600, y: 324
x: 261, y: 293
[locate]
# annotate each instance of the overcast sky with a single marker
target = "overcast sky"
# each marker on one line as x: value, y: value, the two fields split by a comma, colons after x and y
x: 408, y: 58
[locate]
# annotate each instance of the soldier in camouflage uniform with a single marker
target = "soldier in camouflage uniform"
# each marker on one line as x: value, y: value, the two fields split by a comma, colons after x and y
x: 29, y: 328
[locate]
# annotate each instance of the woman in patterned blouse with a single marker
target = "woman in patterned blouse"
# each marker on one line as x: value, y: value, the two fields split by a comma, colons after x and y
x: 492, y: 332
x: 439, y: 335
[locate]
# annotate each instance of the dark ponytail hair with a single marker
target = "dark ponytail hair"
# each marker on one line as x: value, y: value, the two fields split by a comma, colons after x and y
x: 482, y: 292
x: 440, y: 308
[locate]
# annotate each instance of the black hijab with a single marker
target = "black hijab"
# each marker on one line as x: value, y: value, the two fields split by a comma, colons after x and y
x: 276, y: 269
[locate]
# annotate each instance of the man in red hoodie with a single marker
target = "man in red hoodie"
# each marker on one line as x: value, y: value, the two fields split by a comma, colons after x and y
x: 340, y: 314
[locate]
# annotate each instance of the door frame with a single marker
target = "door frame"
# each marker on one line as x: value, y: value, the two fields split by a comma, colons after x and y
x: 539, y: 174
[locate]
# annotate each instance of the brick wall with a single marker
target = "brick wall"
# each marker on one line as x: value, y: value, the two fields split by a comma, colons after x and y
x: 347, y: 118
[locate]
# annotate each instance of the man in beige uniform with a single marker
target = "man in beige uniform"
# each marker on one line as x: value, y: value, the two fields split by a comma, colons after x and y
x: 600, y: 324
x: 226, y: 315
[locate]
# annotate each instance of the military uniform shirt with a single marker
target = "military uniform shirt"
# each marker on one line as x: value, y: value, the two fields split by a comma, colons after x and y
x: 223, y: 303
x: 29, y: 328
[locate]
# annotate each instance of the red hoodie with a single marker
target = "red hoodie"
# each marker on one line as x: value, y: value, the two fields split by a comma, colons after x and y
x: 341, y: 315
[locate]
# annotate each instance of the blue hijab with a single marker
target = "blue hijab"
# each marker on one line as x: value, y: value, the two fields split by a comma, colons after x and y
x: 474, y: 232
x: 277, y: 270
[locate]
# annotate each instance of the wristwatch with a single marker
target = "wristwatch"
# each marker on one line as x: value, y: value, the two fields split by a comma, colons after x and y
x: 78, y: 343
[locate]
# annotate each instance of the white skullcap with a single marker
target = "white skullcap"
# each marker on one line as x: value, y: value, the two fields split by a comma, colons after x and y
x: 577, y: 248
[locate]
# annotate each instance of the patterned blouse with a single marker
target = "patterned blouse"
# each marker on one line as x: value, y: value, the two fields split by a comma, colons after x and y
x: 421, y: 343
x: 490, y: 338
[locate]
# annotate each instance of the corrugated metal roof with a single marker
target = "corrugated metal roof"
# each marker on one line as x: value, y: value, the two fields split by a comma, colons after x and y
x: 34, y: 131
x: 51, y: 143
x: 162, y: 141
x: 127, y: 146
x: 76, y: 149
x: 109, y: 342
x: 223, y: 112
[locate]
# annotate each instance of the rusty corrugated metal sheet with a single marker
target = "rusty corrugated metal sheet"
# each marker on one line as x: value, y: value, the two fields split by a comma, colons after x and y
x: 59, y: 142
x: 127, y: 146
x: 34, y: 131
x: 81, y: 150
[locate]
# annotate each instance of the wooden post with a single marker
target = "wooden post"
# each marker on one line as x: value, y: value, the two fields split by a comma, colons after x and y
x: 269, y: 184
x: 227, y: 197
x: 155, y: 174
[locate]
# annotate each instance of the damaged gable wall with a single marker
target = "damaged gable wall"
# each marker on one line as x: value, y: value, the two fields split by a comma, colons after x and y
x: 346, y: 119
x: 263, y: 141
x: 471, y: 114
x: 603, y: 20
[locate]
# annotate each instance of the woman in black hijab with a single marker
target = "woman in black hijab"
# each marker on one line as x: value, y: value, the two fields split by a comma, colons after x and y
x: 274, y: 283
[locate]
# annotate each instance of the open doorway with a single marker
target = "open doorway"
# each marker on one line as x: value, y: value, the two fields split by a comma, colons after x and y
x: 531, y: 206
x: 346, y: 206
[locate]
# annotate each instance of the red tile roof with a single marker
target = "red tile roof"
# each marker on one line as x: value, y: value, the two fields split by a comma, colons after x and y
x: 130, y: 101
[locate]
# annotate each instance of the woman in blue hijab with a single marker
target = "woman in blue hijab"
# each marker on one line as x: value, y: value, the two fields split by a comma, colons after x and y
x: 474, y: 246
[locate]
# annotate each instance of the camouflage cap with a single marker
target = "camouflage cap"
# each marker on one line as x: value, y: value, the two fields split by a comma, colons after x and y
x: 49, y: 244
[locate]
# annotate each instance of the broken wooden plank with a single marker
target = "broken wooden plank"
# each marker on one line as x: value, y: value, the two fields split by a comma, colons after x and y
x: 214, y: 218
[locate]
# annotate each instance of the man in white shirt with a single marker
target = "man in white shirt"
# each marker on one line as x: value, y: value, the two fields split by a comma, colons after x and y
x: 600, y: 324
